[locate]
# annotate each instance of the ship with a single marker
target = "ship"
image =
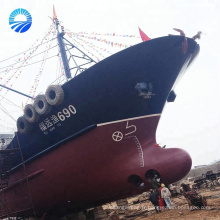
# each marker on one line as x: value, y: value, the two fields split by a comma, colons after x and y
x: 93, y: 140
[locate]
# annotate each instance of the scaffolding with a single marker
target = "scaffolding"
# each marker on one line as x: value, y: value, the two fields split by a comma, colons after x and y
x: 7, y: 205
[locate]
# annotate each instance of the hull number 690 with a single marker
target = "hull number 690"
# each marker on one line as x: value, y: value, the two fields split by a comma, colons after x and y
x: 66, y: 112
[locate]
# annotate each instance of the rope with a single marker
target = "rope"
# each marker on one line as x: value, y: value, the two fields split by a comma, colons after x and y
x: 26, y: 50
x: 9, y: 102
x: 25, y: 60
x: 32, y: 63
x: 3, y: 109
x: 30, y: 57
x: 37, y: 78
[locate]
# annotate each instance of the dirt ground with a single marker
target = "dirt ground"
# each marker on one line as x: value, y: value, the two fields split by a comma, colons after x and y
x: 145, y: 210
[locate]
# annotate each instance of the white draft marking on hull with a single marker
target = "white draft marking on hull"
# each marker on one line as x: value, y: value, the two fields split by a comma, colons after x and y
x: 140, y: 151
x: 131, y: 126
x: 117, y: 136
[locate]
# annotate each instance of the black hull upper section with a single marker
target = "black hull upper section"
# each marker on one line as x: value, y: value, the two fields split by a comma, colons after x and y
x: 106, y: 92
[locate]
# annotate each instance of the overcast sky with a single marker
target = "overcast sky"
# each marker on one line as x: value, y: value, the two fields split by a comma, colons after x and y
x: 192, y: 122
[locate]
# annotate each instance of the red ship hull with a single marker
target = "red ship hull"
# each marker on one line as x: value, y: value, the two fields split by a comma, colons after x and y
x: 93, y: 169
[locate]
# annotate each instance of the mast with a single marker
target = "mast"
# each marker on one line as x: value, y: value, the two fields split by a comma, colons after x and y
x: 61, y: 46
x: 79, y: 59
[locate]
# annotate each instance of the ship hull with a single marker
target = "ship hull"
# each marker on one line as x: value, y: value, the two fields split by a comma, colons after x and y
x: 108, y: 92
x: 95, y: 168
x: 102, y: 143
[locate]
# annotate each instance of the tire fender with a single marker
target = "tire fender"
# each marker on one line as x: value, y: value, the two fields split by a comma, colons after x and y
x: 30, y: 114
x: 23, y: 125
x: 54, y: 95
x: 41, y: 105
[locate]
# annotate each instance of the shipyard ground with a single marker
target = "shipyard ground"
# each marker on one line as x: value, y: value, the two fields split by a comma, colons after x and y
x: 146, y: 211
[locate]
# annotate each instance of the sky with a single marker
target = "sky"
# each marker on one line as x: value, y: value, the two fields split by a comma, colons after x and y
x: 192, y: 122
